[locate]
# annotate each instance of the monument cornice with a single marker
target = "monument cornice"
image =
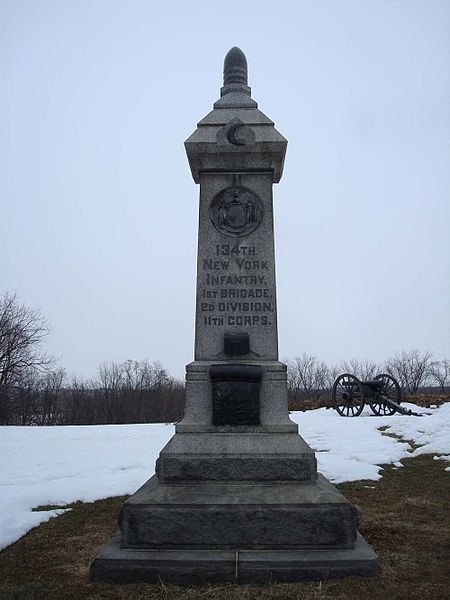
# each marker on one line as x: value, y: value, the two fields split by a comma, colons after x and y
x: 236, y: 135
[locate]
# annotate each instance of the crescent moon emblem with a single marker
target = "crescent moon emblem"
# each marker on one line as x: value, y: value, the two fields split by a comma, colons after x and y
x: 231, y: 135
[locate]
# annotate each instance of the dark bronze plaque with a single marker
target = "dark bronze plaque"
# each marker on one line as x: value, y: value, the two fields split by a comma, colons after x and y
x: 235, y: 391
x: 236, y: 211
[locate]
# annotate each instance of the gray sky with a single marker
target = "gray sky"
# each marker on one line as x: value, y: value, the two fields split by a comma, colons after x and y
x: 99, y: 211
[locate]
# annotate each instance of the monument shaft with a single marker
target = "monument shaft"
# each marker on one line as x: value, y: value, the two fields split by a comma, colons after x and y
x: 236, y: 271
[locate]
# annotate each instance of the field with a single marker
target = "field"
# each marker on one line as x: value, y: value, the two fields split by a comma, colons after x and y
x: 403, y: 515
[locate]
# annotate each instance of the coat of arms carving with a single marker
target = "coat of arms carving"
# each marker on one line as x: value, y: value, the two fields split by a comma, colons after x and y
x: 236, y: 211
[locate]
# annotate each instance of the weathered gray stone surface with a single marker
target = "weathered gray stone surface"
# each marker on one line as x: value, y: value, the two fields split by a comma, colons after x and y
x: 266, y: 154
x: 238, y: 515
x: 239, y: 501
x: 236, y: 456
x: 274, y: 415
x: 245, y: 566
x: 235, y: 468
x: 236, y: 276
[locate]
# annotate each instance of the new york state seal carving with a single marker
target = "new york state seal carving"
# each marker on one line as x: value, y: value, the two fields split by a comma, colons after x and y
x: 236, y: 211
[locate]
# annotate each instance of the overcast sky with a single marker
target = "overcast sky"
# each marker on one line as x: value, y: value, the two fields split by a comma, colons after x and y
x: 99, y: 212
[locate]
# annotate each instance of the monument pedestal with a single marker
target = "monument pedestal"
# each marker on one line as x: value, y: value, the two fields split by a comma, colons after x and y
x: 236, y: 503
x: 236, y: 495
x: 238, y: 516
x: 269, y: 451
x: 235, y: 531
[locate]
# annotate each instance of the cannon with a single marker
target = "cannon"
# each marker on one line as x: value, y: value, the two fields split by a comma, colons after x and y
x: 383, y: 394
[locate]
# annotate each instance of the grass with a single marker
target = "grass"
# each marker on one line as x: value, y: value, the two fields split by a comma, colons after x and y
x: 404, y: 516
x: 425, y: 400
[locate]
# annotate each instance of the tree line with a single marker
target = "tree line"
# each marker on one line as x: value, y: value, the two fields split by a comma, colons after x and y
x: 34, y: 390
x: 127, y: 392
x: 312, y: 379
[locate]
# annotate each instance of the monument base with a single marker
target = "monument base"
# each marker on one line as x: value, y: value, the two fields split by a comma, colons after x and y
x: 236, y: 456
x: 235, y: 531
x: 235, y: 515
x: 120, y: 565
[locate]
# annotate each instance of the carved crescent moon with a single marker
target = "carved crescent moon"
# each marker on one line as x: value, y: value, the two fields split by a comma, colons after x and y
x: 231, y: 135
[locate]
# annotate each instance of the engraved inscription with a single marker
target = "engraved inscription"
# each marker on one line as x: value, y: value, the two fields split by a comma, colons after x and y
x: 236, y: 211
x: 236, y: 287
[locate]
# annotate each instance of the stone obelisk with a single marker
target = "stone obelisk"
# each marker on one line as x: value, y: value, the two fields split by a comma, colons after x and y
x: 236, y: 495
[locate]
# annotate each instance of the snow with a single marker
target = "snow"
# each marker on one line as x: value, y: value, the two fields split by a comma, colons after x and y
x: 353, y: 448
x: 59, y: 465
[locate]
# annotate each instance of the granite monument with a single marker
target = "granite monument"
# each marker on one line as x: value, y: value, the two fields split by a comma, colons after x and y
x: 236, y: 495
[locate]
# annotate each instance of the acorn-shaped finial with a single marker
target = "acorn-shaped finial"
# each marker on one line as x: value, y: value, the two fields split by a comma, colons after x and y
x: 235, y: 67
x: 235, y: 88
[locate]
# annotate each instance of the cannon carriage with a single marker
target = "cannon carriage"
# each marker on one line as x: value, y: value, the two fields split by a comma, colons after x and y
x: 383, y: 394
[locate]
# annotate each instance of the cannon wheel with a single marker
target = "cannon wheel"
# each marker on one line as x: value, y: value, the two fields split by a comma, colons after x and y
x: 392, y: 390
x: 348, y: 395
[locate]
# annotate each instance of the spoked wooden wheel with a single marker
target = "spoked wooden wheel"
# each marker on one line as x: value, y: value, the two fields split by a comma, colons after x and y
x: 348, y: 395
x: 391, y: 390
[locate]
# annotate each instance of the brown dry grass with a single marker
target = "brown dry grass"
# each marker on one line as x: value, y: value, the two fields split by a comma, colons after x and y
x: 404, y: 516
x: 425, y: 400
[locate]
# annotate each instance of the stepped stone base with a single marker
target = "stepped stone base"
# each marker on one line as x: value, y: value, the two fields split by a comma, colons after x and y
x: 235, y: 531
x: 238, y: 515
x: 236, y: 503
x: 120, y: 565
x: 237, y: 457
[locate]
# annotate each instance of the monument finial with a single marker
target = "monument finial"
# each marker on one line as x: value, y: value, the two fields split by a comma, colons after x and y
x: 235, y: 68
x: 235, y: 89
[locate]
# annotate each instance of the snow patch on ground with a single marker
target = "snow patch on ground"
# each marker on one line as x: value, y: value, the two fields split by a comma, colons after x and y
x: 356, y: 447
x: 59, y: 465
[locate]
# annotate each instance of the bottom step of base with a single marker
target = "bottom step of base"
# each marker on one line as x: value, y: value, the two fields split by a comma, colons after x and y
x: 195, y: 566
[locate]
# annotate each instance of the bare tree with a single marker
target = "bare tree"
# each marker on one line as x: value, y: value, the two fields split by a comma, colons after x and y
x: 77, y: 408
x: 111, y: 382
x: 411, y: 368
x: 333, y: 373
x: 48, y: 406
x: 440, y: 373
x: 307, y: 377
x: 137, y: 391
x: 23, y: 397
x: 22, y: 333
x: 364, y: 368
